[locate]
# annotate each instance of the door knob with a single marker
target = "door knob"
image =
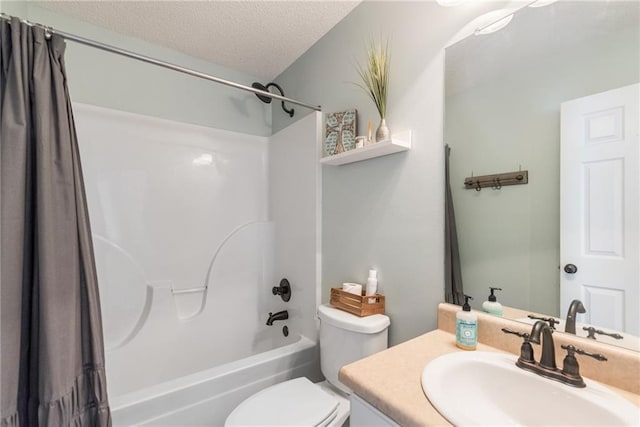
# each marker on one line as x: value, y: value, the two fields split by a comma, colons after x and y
x: 570, y: 269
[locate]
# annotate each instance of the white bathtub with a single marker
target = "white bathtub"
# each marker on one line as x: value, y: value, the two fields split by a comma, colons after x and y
x: 207, y: 397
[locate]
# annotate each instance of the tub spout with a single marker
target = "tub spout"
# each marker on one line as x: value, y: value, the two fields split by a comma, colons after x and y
x: 281, y: 315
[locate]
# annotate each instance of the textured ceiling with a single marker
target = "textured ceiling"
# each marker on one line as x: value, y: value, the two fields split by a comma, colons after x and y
x: 261, y: 38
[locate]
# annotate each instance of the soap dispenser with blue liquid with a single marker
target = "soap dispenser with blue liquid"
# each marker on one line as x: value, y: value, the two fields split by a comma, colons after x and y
x: 466, y: 327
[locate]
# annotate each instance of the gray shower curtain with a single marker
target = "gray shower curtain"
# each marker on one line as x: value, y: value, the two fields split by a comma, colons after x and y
x: 453, y: 293
x: 52, y: 355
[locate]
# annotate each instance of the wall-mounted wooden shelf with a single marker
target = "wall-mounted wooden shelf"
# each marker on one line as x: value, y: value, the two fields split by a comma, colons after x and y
x: 397, y: 143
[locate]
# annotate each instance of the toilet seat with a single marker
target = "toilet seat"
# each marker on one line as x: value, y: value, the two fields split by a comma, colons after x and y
x: 296, y: 402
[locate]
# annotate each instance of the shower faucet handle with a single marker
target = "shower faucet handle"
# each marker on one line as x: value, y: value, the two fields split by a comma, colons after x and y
x: 284, y: 290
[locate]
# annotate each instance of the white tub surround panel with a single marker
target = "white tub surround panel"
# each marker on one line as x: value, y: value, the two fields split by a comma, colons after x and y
x: 182, y: 243
x: 294, y: 209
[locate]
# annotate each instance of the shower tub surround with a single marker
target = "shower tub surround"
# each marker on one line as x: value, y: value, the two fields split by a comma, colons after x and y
x: 191, y: 229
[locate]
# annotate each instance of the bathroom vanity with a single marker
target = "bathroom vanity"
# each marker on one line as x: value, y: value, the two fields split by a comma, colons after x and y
x: 387, y: 385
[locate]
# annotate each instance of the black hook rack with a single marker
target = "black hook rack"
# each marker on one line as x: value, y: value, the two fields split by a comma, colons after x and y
x: 496, y: 181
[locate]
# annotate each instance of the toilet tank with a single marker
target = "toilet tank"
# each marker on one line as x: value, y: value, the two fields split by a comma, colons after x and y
x: 345, y: 338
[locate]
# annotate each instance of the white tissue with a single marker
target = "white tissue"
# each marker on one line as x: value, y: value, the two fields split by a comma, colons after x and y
x: 352, y: 288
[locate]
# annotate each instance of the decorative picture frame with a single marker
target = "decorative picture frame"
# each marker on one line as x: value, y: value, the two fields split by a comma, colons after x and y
x: 340, y: 132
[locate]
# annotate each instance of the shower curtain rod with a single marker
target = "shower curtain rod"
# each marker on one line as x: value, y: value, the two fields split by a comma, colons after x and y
x: 108, y: 48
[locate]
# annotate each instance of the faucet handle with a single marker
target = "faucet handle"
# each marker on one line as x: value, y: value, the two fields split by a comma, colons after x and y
x: 526, y: 350
x: 520, y: 334
x: 593, y: 331
x: 550, y: 320
x: 571, y: 350
x: 570, y: 367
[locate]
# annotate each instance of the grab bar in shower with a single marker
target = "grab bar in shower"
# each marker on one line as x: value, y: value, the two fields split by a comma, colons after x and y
x: 189, y: 290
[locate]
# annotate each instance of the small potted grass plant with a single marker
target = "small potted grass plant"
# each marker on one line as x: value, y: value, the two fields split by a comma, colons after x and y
x: 375, y: 82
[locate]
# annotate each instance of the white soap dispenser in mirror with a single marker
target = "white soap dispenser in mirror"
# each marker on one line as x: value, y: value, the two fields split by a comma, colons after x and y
x: 492, y: 306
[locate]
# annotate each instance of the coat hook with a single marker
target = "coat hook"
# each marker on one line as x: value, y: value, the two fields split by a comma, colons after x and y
x: 498, y: 184
x: 478, y: 188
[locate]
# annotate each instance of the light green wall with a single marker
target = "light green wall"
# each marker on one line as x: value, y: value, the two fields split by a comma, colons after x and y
x: 112, y: 81
x: 17, y: 8
x: 387, y: 212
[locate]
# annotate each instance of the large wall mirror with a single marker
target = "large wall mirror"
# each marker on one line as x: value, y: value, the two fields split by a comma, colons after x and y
x: 553, y: 94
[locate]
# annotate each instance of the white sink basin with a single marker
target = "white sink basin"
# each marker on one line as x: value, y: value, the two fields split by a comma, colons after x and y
x: 484, y: 388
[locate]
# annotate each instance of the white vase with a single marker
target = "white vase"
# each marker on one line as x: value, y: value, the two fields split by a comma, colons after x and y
x: 382, y: 133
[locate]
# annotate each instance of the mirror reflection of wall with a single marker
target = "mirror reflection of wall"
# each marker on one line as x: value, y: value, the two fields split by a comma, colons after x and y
x: 503, y: 96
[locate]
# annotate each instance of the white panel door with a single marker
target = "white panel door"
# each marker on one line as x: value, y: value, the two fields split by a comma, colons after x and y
x: 600, y: 189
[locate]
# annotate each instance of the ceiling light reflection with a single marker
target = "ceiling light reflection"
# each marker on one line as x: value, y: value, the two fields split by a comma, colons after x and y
x: 203, y: 160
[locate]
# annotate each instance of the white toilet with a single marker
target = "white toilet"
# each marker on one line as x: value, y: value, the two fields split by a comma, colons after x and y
x: 344, y: 338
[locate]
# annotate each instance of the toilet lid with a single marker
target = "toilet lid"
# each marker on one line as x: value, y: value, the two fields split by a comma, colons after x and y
x: 296, y: 402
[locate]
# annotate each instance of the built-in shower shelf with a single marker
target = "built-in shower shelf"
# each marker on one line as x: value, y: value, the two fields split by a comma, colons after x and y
x: 397, y: 143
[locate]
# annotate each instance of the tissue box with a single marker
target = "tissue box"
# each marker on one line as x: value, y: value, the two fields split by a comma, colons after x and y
x: 359, y: 305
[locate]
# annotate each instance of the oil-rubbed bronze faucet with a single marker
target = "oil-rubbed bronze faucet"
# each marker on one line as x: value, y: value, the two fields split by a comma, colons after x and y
x: 570, y: 372
x: 575, y: 307
x: 548, y: 358
x: 281, y: 315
